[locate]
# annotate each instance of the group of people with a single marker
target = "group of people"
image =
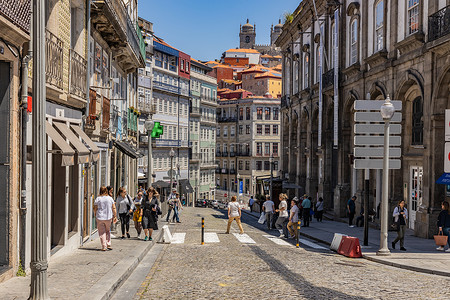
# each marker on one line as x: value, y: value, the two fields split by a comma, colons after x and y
x: 144, y: 209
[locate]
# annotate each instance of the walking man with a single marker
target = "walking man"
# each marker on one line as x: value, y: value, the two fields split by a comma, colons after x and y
x: 250, y: 203
x: 306, y: 204
x: 351, y: 208
x: 269, y: 208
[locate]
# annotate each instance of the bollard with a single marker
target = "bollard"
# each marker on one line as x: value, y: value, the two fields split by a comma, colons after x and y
x: 298, y: 233
x: 203, y: 231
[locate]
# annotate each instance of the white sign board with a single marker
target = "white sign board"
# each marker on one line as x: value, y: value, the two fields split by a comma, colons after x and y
x: 376, y: 152
x: 377, y: 129
x: 367, y: 140
x: 376, y: 164
x: 375, y: 117
x: 375, y: 104
x: 447, y: 157
x: 447, y: 125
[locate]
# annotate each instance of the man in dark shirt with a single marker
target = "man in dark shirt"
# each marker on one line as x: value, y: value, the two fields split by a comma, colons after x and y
x: 351, y: 208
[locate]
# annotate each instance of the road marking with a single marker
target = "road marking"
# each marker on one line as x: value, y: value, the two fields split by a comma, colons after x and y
x: 311, y: 244
x: 211, y: 237
x: 178, y: 238
x: 244, y: 238
x: 277, y: 241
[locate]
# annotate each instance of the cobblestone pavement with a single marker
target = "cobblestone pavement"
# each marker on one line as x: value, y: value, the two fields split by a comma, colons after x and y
x: 264, y: 270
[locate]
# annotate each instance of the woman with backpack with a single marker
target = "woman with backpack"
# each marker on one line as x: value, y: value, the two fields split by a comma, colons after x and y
x: 400, y: 218
x: 149, y: 212
x: 444, y: 224
x: 125, y: 208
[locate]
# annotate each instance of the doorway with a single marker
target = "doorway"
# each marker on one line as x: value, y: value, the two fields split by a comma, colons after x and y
x: 58, y: 200
x: 415, y: 195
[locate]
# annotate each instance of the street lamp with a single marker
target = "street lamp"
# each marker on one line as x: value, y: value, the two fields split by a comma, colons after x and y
x: 271, y: 176
x: 149, y: 126
x: 387, y: 112
x: 171, y: 154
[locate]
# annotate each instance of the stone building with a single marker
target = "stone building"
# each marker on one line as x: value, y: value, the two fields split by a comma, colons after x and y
x: 384, y: 48
x: 247, y: 38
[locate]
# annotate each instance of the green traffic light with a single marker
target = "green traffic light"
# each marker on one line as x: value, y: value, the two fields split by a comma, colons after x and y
x: 157, y: 130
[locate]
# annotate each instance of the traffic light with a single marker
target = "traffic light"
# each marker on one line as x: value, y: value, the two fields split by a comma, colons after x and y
x: 157, y: 130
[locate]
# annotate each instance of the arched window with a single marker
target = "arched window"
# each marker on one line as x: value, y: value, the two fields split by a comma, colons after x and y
x: 354, y: 42
x: 379, y: 26
x: 306, y: 71
x: 417, y: 122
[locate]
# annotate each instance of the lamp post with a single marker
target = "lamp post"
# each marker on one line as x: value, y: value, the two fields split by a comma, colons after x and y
x: 387, y: 112
x: 149, y: 126
x: 271, y: 176
x: 177, y: 178
x: 171, y: 154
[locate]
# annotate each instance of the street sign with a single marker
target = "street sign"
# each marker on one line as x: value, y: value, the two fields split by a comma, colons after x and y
x: 367, y: 140
x: 444, y: 179
x: 376, y: 163
x: 376, y: 129
x: 447, y: 125
x: 376, y: 152
x: 170, y: 173
x: 375, y: 104
x: 375, y: 116
x: 447, y: 157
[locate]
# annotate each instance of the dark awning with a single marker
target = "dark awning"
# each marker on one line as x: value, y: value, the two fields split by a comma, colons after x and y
x: 127, y: 149
x: 186, y: 185
x: 161, y: 184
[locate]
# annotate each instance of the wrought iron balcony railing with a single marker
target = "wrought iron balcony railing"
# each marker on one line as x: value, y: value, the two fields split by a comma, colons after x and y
x: 439, y: 24
x: 77, y: 74
x: 226, y: 119
x: 54, y: 59
x: 165, y: 87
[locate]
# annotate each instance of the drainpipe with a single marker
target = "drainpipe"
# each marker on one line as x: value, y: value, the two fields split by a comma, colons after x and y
x: 23, y: 196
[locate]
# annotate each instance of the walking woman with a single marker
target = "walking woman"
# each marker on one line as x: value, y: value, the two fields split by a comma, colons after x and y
x: 149, y: 213
x: 105, y: 213
x: 177, y: 206
x: 444, y: 224
x: 137, y: 213
x: 319, y: 210
x: 234, y: 213
x: 283, y: 215
x: 400, y: 218
x: 125, y: 207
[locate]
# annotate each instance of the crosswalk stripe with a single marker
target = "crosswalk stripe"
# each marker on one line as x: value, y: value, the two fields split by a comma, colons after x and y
x: 277, y: 241
x: 211, y: 237
x: 311, y: 244
x: 178, y: 238
x: 244, y: 238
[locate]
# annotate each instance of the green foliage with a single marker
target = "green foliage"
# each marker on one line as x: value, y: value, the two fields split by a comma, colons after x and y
x: 288, y: 17
x: 21, y: 271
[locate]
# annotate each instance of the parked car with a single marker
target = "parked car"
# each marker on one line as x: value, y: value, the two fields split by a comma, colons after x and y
x: 223, y: 205
x: 215, y: 204
x: 200, y: 203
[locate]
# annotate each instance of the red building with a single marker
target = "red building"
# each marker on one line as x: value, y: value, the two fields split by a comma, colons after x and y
x: 184, y: 62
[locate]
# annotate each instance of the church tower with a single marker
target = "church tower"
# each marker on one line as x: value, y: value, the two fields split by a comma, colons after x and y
x: 275, y: 32
x: 247, y: 36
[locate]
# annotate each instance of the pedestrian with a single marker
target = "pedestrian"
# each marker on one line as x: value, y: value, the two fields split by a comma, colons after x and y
x: 360, y: 218
x: 105, y: 213
x: 149, y: 213
x: 183, y: 200
x: 400, y: 218
x: 137, y: 213
x: 282, y: 215
x: 177, y: 206
x: 251, y: 201
x: 319, y: 209
x: 293, y: 218
x: 269, y: 208
x: 125, y: 207
x: 311, y: 211
x: 351, y: 208
x: 234, y: 213
x: 306, y: 204
x: 444, y: 223
x: 171, y: 202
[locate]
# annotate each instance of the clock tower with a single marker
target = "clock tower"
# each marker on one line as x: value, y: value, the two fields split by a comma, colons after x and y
x: 247, y: 36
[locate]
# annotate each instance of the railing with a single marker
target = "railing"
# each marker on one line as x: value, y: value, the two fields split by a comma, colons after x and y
x: 232, y: 171
x: 328, y: 78
x: 165, y: 87
x: 106, y: 113
x: 54, y: 59
x: 77, y: 74
x: 218, y: 170
x: 224, y: 170
x: 18, y: 12
x: 195, y: 156
x: 226, y: 119
x: 439, y: 24
x: 232, y: 154
x: 170, y: 143
x: 194, y: 110
x: 244, y: 153
x: 225, y: 154
x: 218, y: 154
x: 208, y: 119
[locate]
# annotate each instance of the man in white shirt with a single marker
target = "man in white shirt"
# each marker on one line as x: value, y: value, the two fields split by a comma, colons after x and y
x: 269, y: 208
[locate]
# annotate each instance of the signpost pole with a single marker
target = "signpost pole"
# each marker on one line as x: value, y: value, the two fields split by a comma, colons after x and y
x: 366, y: 208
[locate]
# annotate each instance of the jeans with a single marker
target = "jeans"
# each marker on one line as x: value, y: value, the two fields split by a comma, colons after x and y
x: 319, y: 215
x: 238, y: 221
x: 306, y: 216
x: 281, y: 224
x: 446, y: 231
x: 400, y: 235
x: 104, y: 232
x: 175, y: 214
x: 124, y: 222
x: 351, y: 215
x: 168, y: 213
x: 269, y: 219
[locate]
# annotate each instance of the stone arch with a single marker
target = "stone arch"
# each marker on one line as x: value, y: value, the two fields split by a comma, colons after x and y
x: 378, y: 91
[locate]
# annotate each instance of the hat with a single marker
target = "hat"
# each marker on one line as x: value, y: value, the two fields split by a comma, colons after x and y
x: 295, y: 199
x: 305, y: 195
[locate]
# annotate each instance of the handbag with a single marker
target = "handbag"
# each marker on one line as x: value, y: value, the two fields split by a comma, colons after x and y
x: 262, y: 218
x: 440, y: 239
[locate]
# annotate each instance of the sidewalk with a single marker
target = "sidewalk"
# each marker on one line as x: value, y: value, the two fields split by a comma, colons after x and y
x: 88, y: 272
x: 421, y: 254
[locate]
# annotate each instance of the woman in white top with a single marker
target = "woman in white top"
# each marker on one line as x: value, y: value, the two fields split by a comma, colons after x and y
x: 401, y: 219
x: 282, y: 215
x: 234, y: 213
x: 105, y: 213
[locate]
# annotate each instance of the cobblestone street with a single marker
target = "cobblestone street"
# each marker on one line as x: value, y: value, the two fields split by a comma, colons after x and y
x: 270, y: 269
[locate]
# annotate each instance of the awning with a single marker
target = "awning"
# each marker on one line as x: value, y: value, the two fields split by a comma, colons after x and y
x: 127, y: 149
x: 82, y: 151
x: 66, y: 150
x: 161, y: 184
x: 186, y: 185
x: 94, y: 149
x: 289, y: 185
x: 141, y: 175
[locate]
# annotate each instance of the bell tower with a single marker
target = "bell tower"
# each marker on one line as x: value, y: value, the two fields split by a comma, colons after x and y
x: 247, y: 36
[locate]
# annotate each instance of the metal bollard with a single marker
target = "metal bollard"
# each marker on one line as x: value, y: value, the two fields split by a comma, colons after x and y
x: 298, y: 233
x: 203, y: 231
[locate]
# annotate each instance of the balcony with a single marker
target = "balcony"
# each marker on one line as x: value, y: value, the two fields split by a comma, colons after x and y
x: 112, y: 21
x: 165, y: 87
x: 226, y: 119
x: 224, y: 170
x: 77, y: 74
x: 170, y: 143
x: 194, y: 157
x: 439, y: 24
x: 218, y: 170
x: 244, y: 153
x: 218, y: 154
x: 225, y: 154
x: 54, y: 60
x: 328, y: 78
x: 232, y: 171
x: 206, y: 119
x: 232, y: 154
x: 195, y: 111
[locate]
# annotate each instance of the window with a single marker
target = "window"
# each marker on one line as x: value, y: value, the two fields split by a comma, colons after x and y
x: 379, y: 17
x: 267, y: 113
x: 354, y: 42
x: 247, y: 129
x: 267, y: 129
x: 240, y: 165
x: 413, y: 16
x: 225, y: 131
x: 258, y: 148
x: 275, y: 165
x: 241, y: 129
x: 266, y: 165
x: 247, y: 165
x: 241, y: 113
x: 218, y: 131
x: 267, y: 149
x: 275, y: 149
x: 258, y: 165
x: 306, y: 71
x: 259, y: 112
x: 417, y: 122
x: 247, y: 117
x: 276, y: 113
x: 275, y: 130
x: 232, y: 130
x: 258, y: 129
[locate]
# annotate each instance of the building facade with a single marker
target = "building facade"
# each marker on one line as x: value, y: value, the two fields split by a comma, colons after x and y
x: 409, y: 64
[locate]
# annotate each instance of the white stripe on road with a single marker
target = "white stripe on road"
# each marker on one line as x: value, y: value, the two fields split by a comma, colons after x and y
x: 244, y: 238
x: 277, y: 241
x: 178, y: 238
x: 211, y: 237
x: 311, y: 244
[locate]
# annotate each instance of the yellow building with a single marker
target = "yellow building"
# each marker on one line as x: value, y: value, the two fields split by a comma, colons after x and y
x: 271, y: 82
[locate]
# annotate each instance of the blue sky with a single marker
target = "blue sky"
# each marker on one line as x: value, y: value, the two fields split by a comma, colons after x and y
x: 204, y: 29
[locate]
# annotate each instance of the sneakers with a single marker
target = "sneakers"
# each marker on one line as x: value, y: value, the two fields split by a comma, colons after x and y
x: 146, y: 238
x: 402, y: 248
x: 448, y: 250
x: 351, y: 226
x: 128, y: 235
x: 281, y: 236
x: 150, y: 239
x: 440, y: 248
